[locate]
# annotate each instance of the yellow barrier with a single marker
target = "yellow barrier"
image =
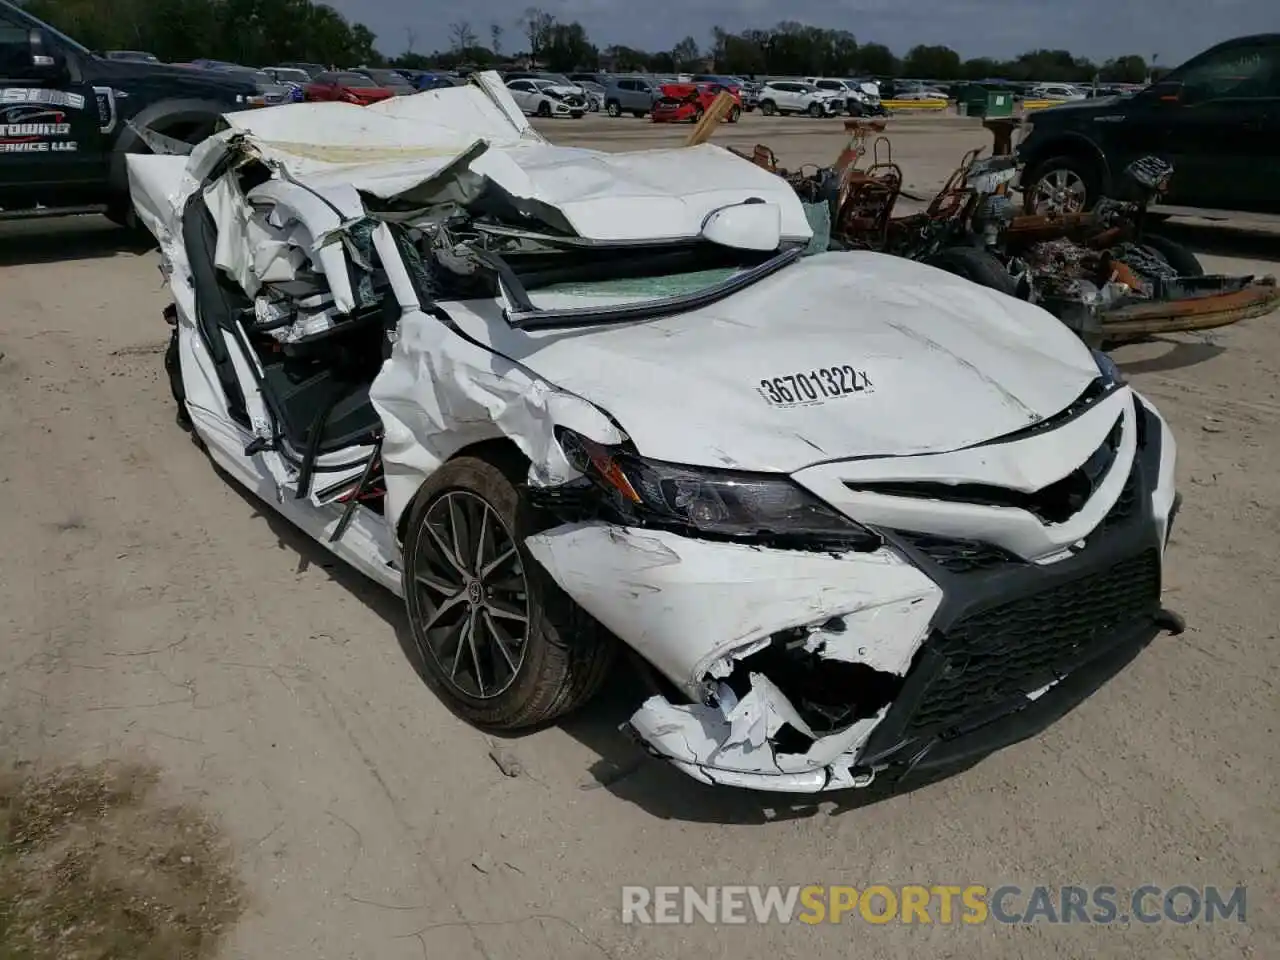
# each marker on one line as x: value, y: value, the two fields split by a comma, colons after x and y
x: 915, y: 104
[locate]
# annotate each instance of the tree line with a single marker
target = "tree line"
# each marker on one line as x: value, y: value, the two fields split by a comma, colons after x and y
x: 786, y: 49
x: 253, y: 32
x: 262, y: 32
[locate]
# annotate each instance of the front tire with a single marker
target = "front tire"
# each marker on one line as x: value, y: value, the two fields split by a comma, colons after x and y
x: 735, y: 115
x: 499, y: 640
x: 815, y: 110
x: 544, y: 110
x: 613, y: 108
x: 768, y: 108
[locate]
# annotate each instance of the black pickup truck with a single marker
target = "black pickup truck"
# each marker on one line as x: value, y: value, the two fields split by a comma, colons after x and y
x: 1216, y: 118
x: 68, y: 118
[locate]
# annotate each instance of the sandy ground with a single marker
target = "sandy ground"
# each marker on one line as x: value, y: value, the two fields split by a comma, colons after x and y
x: 149, y: 609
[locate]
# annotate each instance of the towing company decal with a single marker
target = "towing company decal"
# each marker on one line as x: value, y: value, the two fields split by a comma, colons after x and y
x: 31, y: 128
x: 39, y: 95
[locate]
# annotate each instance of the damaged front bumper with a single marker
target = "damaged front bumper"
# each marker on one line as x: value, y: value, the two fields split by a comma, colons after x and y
x: 806, y: 672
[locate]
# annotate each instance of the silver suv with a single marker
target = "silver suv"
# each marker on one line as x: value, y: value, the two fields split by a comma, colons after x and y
x: 634, y: 95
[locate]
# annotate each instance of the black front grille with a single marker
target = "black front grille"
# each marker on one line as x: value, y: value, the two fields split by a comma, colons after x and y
x: 1126, y: 503
x: 957, y: 555
x: 1020, y: 646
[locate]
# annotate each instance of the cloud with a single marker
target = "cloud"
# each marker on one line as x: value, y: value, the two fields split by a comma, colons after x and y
x: 1173, y: 29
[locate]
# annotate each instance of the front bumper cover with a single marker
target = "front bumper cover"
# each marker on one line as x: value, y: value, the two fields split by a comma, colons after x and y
x: 977, y: 655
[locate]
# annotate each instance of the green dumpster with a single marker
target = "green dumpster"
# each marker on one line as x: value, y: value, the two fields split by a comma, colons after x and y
x: 981, y: 102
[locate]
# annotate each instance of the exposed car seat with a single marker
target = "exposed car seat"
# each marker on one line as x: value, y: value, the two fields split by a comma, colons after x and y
x: 318, y: 388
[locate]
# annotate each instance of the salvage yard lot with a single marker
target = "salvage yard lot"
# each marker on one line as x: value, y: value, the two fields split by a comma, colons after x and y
x: 151, y: 611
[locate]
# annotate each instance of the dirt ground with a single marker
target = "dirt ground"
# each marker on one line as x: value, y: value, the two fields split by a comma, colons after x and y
x: 150, y: 610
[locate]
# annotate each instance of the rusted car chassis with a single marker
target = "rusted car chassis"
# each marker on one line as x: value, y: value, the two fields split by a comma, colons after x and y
x: 1100, y: 271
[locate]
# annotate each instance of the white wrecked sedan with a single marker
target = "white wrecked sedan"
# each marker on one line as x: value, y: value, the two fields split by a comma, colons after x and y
x: 864, y: 516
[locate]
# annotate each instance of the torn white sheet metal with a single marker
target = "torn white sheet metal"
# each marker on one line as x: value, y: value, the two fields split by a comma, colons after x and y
x: 398, y: 146
x: 685, y: 603
x: 155, y: 184
x: 731, y: 745
x: 884, y: 637
x: 439, y: 393
x: 897, y: 335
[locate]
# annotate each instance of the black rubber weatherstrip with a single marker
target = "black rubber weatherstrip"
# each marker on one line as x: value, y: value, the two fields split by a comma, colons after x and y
x: 529, y: 317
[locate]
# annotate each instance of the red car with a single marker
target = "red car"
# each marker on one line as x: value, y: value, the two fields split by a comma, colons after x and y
x: 345, y: 88
x: 689, y: 101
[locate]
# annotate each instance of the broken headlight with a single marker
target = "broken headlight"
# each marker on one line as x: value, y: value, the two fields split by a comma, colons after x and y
x: 716, y: 503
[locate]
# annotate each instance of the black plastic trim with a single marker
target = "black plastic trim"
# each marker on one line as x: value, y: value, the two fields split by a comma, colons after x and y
x: 894, y: 744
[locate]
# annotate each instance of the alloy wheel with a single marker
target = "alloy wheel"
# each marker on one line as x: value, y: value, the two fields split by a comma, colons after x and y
x: 1061, y: 191
x: 469, y: 597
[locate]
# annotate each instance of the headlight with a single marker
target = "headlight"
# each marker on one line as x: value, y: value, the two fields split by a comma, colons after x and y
x: 1112, y: 375
x: 717, y: 503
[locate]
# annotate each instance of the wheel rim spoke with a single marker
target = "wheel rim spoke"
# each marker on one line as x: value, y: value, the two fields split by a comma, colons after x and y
x: 480, y: 541
x: 444, y: 608
x: 432, y: 582
x: 457, y: 653
x: 461, y: 530
x: 446, y: 550
x: 500, y: 639
x: 493, y: 565
x: 475, y: 652
x: 499, y: 609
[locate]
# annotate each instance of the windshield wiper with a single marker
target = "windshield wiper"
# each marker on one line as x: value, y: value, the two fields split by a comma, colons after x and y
x: 524, y: 315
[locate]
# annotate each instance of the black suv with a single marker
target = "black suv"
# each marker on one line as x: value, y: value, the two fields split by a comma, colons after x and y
x: 68, y: 118
x: 1216, y: 118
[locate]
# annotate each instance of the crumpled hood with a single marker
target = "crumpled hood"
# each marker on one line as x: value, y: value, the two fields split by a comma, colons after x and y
x: 931, y: 363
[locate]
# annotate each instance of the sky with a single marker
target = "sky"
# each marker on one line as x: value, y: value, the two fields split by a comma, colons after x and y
x: 1173, y: 30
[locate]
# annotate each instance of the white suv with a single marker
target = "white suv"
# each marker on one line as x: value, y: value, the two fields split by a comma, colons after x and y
x: 795, y: 96
x: 542, y: 98
x: 861, y: 98
x: 1055, y: 91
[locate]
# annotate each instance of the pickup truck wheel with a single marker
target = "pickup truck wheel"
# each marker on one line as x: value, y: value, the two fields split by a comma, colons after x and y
x: 120, y: 209
x: 975, y: 265
x: 497, y: 638
x: 613, y: 108
x: 815, y: 110
x: 1175, y: 254
x: 768, y: 108
x: 1066, y: 184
